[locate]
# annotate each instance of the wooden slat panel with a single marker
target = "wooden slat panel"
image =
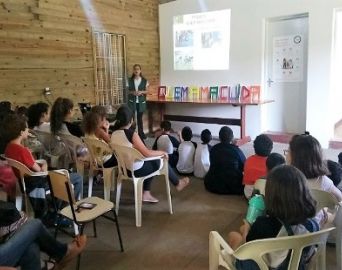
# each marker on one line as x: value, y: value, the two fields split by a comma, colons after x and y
x: 48, y: 43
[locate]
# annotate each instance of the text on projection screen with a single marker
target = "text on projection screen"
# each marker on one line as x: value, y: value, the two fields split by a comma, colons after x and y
x: 201, y: 41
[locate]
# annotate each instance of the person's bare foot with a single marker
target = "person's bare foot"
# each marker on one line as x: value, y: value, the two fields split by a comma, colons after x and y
x: 74, y: 249
x: 147, y: 197
x: 183, y: 182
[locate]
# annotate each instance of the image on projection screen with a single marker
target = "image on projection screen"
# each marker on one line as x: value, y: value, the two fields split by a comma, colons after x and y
x: 201, y: 41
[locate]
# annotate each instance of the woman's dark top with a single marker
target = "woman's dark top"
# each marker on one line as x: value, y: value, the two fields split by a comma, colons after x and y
x: 226, y: 169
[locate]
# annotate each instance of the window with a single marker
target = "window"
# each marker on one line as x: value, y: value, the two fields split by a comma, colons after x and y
x: 110, y: 68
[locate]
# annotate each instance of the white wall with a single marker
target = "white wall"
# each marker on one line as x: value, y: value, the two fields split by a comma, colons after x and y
x: 336, y: 96
x: 246, y: 54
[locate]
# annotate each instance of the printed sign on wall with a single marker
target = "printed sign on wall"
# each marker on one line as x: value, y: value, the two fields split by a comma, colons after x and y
x: 288, y: 58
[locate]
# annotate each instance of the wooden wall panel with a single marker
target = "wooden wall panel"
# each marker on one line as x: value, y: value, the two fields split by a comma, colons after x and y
x: 48, y: 43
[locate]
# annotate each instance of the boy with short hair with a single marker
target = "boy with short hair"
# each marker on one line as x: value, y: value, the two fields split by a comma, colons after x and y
x: 186, y: 152
x: 255, y: 165
x: 202, y: 161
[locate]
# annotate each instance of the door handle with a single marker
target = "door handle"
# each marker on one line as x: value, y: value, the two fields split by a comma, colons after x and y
x: 269, y: 82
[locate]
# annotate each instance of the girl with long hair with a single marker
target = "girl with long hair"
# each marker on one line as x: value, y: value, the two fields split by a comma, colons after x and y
x: 305, y: 153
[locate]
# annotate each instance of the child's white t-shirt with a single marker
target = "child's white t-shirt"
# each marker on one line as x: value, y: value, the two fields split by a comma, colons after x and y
x: 186, y: 151
x: 164, y: 144
x: 202, y: 162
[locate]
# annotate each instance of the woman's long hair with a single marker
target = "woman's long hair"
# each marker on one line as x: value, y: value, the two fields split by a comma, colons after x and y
x: 60, y: 109
x: 306, y: 155
x: 287, y: 196
x: 124, y: 116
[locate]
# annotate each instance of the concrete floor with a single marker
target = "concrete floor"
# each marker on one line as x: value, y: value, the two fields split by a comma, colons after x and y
x: 170, y: 242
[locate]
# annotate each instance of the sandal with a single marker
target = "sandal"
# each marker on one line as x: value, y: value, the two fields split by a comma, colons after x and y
x: 74, y: 249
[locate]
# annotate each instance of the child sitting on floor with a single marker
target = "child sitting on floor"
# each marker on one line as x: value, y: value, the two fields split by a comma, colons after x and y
x: 273, y: 160
x: 226, y: 166
x: 186, y: 151
x: 202, y: 162
x: 255, y: 165
x: 167, y: 143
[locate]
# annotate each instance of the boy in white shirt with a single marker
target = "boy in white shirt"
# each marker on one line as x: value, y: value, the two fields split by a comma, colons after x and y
x: 186, y: 152
x: 202, y: 162
x: 167, y: 143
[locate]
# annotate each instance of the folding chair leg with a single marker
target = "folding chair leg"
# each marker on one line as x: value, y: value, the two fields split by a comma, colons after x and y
x: 78, y: 262
x: 94, y: 228
x: 90, y: 182
x: 118, y: 195
x: 118, y: 230
x: 79, y: 256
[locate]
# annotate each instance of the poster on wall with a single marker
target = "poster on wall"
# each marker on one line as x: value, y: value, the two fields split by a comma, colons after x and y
x: 288, y: 58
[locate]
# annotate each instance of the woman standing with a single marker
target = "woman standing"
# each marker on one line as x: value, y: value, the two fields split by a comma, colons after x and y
x: 137, y: 91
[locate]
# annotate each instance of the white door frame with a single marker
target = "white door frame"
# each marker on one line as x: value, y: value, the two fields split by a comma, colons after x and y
x: 265, y: 61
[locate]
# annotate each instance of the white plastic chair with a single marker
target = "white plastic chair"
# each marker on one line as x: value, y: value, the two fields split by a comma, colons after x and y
x: 126, y: 156
x: 221, y: 254
x: 23, y: 171
x: 326, y: 199
x: 74, y: 143
x: 98, y: 150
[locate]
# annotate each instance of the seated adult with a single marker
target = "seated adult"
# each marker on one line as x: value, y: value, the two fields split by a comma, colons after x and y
x: 39, y: 117
x: 61, y: 119
x: 15, y: 131
x: 102, y: 128
x: 93, y: 126
x: 226, y: 166
x: 24, y: 246
x: 123, y: 135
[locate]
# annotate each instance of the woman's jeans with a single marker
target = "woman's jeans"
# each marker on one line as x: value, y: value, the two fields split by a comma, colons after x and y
x: 77, y: 180
x: 24, y: 247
